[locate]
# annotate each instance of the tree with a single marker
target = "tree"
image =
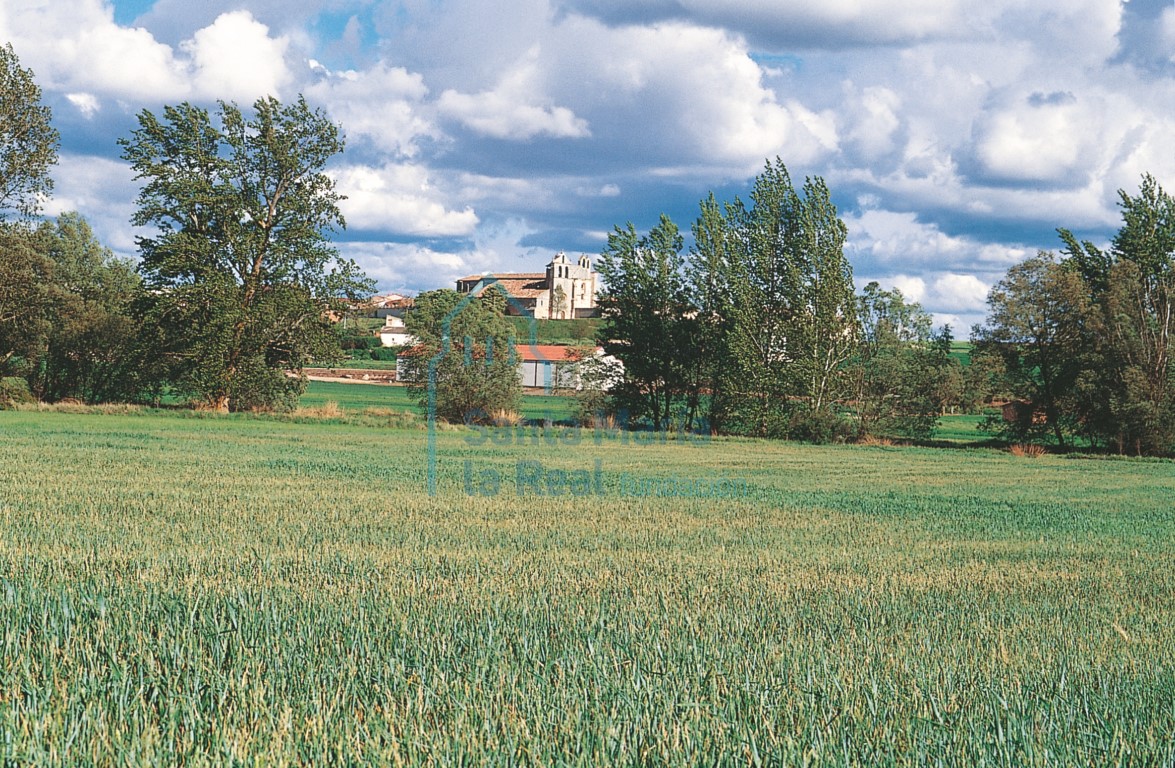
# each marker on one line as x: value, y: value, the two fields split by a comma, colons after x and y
x: 1126, y: 389
x: 792, y: 309
x: 902, y: 371
x: 708, y: 275
x: 26, y: 298
x: 470, y: 346
x: 28, y: 149
x: 28, y: 141
x: 647, y: 321
x: 1140, y: 321
x: 240, y: 273
x: 89, y: 350
x: 1038, y: 323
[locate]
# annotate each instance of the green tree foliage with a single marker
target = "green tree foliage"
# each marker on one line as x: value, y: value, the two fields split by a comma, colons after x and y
x: 26, y: 298
x: 28, y: 141
x: 240, y: 273
x: 89, y: 352
x: 902, y: 372
x: 1038, y: 324
x: 648, y: 322
x: 470, y: 344
x: 708, y: 275
x: 28, y: 149
x: 1133, y: 384
x: 793, y: 312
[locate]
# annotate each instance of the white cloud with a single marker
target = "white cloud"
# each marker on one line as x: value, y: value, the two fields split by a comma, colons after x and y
x: 874, y: 120
x: 939, y: 291
x: 1044, y: 138
x: 683, y: 94
x: 399, y: 199
x: 77, y: 47
x: 86, y: 103
x: 235, y: 59
x: 383, y: 105
x: 104, y: 191
x: 516, y: 108
x: 957, y: 292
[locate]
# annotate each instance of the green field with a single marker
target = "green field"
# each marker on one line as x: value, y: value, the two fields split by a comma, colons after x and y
x: 360, y: 396
x: 218, y: 589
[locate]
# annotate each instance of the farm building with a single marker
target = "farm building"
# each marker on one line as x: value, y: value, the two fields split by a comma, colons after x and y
x: 539, y: 365
x: 394, y: 333
x: 565, y: 291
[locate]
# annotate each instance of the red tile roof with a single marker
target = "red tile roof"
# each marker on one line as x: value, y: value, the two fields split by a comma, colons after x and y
x: 554, y: 353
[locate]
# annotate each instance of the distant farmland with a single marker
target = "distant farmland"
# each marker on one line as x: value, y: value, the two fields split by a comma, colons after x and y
x: 222, y: 590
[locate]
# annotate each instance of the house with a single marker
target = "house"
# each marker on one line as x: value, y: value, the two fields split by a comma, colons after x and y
x: 392, y: 305
x: 539, y: 365
x: 564, y: 291
x: 394, y: 333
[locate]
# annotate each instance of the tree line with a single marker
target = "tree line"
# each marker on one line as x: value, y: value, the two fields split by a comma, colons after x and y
x: 1083, y: 336
x: 757, y: 330
x: 236, y: 283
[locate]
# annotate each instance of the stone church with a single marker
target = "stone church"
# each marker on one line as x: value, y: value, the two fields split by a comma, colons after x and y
x: 566, y: 291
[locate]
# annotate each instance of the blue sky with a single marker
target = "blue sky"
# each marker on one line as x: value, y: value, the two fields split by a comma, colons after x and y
x: 955, y: 136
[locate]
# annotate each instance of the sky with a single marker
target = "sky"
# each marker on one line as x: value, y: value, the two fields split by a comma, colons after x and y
x: 956, y: 136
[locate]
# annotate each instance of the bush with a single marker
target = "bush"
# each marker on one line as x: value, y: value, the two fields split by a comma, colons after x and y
x: 360, y: 342
x: 384, y: 353
x: 14, y: 391
x: 821, y: 427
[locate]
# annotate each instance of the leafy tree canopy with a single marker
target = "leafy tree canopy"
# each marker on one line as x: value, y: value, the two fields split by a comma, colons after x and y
x: 240, y: 270
x: 28, y: 141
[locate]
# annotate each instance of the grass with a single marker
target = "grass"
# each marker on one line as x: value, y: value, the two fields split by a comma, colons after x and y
x: 361, y: 396
x: 228, y: 590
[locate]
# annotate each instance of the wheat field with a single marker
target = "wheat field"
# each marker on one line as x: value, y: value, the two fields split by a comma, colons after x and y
x: 251, y: 591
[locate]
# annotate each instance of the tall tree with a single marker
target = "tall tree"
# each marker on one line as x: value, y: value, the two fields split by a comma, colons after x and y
x: 708, y: 278
x: 826, y: 313
x: 793, y: 312
x: 765, y: 289
x: 646, y: 321
x: 1038, y: 323
x: 240, y: 271
x: 28, y: 141
x: 1140, y: 321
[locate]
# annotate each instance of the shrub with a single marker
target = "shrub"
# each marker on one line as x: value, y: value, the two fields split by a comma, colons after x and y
x: 821, y: 427
x: 384, y: 353
x: 14, y: 391
x: 1029, y: 450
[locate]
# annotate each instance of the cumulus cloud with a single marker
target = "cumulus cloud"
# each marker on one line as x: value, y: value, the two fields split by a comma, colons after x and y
x: 383, y: 106
x: 883, y: 238
x: 401, y: 200
x: 236, y: 59
x: 78, y: 48
x: 104, y: 191
x: 832, y: 23
x: 1045, y: 138
x: 515, y: 108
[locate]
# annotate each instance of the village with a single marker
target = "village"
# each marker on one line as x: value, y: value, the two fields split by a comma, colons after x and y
x: 565, y: 291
